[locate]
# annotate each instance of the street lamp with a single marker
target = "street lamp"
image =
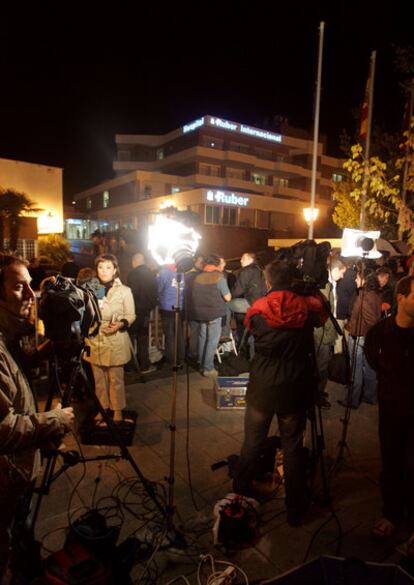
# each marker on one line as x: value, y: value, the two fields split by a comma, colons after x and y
x: 311, y: 215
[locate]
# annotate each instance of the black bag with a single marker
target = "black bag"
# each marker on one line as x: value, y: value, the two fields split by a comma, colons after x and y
x: 339, y: 369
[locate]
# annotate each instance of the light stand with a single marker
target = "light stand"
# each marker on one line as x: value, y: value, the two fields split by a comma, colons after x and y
x: 342, y: 444
x: 174, y: 537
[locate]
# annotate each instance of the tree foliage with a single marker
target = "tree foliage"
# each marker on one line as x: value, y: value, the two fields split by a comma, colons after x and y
x: 381, y: 182
x: 12, y: 205
x: 54, y: 249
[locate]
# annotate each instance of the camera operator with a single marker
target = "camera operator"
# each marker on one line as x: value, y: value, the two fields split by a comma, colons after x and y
x: 389, y: 349
x: 283, y: 381
x: 22, y: 429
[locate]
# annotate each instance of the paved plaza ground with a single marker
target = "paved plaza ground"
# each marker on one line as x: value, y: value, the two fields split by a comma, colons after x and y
x: 208, y: 435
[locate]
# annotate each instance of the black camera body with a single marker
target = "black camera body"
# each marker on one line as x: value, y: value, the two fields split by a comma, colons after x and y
x: 310, y: 262
x: 69, y: 312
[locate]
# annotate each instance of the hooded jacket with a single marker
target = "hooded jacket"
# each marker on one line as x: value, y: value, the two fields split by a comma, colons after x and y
x: 283, y: 375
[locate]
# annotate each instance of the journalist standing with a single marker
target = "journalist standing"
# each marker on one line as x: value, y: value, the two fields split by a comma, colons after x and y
x: 22, y: 429
x: 283, y: 382
x: 389, y: 349
x: 110, y: 350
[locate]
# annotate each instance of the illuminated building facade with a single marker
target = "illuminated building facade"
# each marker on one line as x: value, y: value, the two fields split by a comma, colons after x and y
x: 231, y: 175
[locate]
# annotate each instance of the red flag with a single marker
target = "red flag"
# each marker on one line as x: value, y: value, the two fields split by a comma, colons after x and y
x: 363, y: 129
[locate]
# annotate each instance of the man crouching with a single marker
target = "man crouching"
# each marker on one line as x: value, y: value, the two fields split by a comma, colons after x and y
x: 283, y: 381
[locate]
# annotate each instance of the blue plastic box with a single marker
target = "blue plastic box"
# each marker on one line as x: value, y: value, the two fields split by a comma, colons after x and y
x: 231, y: 392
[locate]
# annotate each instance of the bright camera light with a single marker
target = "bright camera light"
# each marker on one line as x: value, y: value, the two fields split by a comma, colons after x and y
x: 170, y: 241
x: 359, y: 243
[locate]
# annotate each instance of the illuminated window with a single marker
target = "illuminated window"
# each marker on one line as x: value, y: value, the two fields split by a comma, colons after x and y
x: 258, y: 179
x: 89, y: 203
x: 175, y: 190
x: 280, y: 183
x: 336, y: 178
x: 160, y: 153
x: 105, y: 198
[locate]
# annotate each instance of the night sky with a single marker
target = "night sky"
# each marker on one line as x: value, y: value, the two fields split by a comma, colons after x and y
x: 70, y: 82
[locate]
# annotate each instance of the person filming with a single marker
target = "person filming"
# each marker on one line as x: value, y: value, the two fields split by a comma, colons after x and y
x: 283, y: 382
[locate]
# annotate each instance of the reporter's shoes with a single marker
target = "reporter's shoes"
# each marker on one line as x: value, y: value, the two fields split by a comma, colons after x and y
x: 383, y: 529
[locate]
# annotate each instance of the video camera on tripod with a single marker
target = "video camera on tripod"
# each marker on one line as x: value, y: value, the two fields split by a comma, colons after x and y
x: 70, y: 312
x: 310, y: 262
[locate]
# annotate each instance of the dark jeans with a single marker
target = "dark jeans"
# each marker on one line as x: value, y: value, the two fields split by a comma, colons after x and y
x: 291, y: 429
x: 168, y: 326
x: 139, y: 332
x: 396, y: 432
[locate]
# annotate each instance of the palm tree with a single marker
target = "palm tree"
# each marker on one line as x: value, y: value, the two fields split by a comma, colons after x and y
x: 12, y: 204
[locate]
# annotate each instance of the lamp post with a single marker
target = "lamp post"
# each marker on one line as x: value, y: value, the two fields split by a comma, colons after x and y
x: 311, y: 215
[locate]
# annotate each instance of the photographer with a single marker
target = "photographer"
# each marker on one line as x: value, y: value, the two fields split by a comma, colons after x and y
x: 283, y: 381
x: 22, y: 429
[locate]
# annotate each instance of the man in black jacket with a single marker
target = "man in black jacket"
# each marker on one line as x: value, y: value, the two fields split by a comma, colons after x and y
x: 249, y: 286
x: 283, y: 381
x: 389, y: 349
x: 143, y: 284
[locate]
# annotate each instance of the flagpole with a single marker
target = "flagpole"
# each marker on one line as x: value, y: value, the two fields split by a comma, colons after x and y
x: 368, y: 139
x: 316, y: 132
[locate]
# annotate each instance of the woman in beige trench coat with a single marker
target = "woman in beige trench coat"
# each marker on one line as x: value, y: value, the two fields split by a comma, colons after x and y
x: 110, y: 349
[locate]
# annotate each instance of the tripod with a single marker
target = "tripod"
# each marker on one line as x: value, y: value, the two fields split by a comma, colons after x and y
x: 72, y: 458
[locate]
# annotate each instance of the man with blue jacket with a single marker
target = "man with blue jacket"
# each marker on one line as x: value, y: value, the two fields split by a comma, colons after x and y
x: 168, y: 283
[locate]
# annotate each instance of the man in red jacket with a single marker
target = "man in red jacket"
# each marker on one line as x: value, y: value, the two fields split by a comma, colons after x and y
x: 283, y: 381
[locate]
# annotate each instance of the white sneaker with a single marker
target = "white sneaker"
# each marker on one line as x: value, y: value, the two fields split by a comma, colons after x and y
x: 210, y: 373
x: 149, y: 370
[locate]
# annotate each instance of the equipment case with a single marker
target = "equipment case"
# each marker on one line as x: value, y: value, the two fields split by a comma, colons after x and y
x: 231, y: 392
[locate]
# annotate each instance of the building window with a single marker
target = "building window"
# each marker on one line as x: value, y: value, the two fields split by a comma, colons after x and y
x: 258, y: 179
x: 264, y: 153
x: 211, y: 170
x: 212, y: 142
x: 124, y: 155
x: 281, y: 221
x: 280, y: 183
x: 160, y: 153
x: 239, y: 147
x: 105, y: 198
x: 175, y: 190
x: 235, y: 173
x: 336, y: 178
x: 262, y: 219
x: 213, y: 214
x: 229, y: 216
x: 147, y: 191
x: 246, y: 217
x: 89, y: 203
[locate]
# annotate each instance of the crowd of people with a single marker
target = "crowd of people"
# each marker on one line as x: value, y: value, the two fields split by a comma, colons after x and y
x: 291, y: 338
